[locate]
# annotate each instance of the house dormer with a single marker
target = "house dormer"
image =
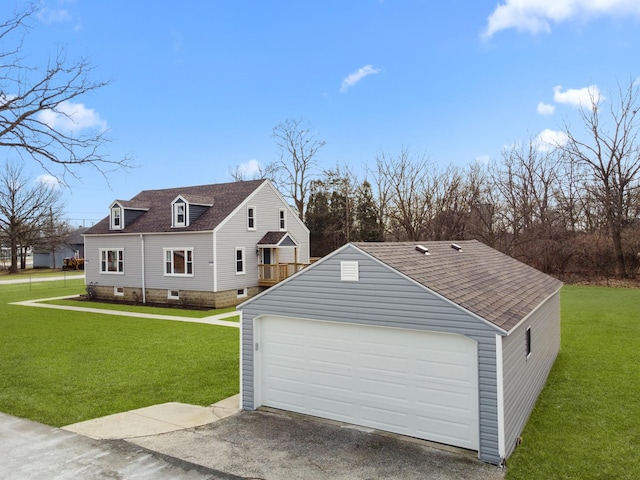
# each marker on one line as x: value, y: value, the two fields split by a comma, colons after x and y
x: 185, y: 210
x: 116, y: 216
x: 179, y: 212
x: 123, y: 213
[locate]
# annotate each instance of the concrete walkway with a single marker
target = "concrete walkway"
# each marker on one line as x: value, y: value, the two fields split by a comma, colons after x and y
x: 211, y: 320
x: 154, y: 420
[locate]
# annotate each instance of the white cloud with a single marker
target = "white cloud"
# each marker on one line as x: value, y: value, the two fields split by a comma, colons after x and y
x: 250, y: 169
x: 535, y: 16
x: 72, y: 117
x: 483, y: 159
x: 356, y: 76
x: 546, y: 109
x: 48, y: 180
x: 578, y: 97
x: 548, y: 139
x: 49, y: 16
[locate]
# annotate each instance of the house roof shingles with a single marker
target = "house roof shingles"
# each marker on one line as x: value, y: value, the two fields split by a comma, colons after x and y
x: 224, y: 198
x: 490, y: 284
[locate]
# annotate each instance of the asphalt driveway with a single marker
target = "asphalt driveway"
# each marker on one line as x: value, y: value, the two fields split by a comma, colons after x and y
x: 271, y: 446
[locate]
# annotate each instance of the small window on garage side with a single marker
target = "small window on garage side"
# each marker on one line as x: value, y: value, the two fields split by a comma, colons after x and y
x: 349, y: 271
x: 527, y: 337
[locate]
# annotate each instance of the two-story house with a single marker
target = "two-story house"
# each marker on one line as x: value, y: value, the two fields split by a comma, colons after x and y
x: 209, y: 245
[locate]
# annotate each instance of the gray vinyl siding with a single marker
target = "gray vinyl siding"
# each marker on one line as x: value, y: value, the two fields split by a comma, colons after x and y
x: 525, y: 377
x: 132, y: 276
x: 381, y: 297
x: 202, y: 245
x: 234, y: 233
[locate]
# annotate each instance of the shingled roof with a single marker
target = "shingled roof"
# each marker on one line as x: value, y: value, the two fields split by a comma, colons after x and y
x: 490, y: 284
x: 224, y: 198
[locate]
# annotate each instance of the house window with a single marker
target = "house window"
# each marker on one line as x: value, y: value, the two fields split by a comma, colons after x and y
x: 173, y: 294
x: 178, y: 261
x: 111, y: 260
x: 116, y: 218
x: 240, y: 260
x: 118, y: 291
x: 527, y: 339
x: 179, y: 214
x: 242, y: 292
x: 251, y: 218
x: 282, y: 218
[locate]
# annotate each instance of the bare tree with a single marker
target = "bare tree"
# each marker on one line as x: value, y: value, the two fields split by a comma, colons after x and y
x: 34, y: 99
x: 610, y: 151
x: 25, y: 208
x: 406, y: 180
x: 293, y: 171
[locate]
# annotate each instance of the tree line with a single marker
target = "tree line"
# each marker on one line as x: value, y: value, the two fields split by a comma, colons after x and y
x: 570, y: 209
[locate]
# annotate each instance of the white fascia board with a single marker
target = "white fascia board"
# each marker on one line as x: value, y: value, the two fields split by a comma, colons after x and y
x: 293, y: 213
x: 241, y: 205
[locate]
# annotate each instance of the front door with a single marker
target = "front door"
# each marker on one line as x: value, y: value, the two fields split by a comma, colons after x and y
x: 266, y: 260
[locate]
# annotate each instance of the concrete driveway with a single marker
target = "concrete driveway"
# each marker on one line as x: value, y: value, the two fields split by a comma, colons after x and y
x: 272, y: 446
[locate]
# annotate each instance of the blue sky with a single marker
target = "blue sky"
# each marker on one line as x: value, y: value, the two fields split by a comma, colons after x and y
x: 199, y: 85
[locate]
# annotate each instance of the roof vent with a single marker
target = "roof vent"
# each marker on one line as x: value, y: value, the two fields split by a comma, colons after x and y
x: 457, y: 247
x: 422, y: 249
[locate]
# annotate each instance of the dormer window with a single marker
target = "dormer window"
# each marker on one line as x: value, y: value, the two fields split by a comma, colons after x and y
x: 116, y: 218
x: 179, y: 214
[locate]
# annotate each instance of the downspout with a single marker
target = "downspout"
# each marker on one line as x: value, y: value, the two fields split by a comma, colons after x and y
x: 215, y: 262
x: 144, y: 289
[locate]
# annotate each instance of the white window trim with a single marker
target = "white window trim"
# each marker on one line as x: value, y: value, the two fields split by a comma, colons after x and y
x: 243, y: 294
x: 112, y: 218
x: 174, y: 214
x: 118, y: 291
x: 177, y: 249
x: 170, y: 295
x: 249, y: 207
x: 107, y: 272
x: 282, y: 220
x: 244, y: 261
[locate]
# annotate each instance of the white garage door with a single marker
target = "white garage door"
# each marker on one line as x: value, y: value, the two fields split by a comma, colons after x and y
x: 411, y: 382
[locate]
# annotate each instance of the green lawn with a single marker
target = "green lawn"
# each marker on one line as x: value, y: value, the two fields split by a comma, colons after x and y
x: 60, y: 367
x: 586, y: 424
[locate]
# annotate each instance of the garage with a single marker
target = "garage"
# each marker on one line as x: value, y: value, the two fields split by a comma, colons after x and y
x: 417, y: 383
x: 448, y: 342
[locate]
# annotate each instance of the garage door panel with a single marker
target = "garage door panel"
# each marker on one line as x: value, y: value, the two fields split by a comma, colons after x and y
x: 449, y: 431
x: 386, y: 419
x: 416, y: 383
x: 334, y: 381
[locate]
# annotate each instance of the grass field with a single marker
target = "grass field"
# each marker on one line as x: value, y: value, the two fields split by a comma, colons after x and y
x: 586, y: 424
x: 60, y: 367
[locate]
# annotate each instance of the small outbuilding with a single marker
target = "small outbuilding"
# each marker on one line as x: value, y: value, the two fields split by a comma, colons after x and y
x: 450, y: 343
